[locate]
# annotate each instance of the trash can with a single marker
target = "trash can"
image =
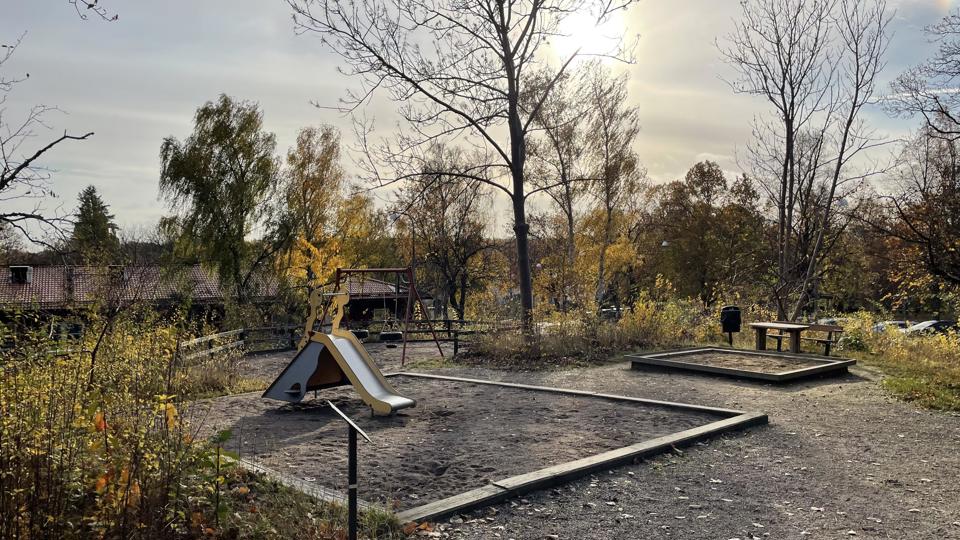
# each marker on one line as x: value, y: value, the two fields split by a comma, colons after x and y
x: 730, y: 321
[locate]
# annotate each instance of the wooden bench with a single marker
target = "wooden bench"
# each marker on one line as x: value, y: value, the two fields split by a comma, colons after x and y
x: 830, y: 330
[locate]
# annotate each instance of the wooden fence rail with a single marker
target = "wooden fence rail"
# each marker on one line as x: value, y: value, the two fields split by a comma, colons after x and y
x: 279, y: 338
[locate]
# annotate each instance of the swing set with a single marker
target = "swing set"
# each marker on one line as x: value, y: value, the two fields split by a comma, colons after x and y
x: 390, y: 329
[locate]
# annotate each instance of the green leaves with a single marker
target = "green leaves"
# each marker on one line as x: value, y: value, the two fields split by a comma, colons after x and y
x: 219, y: 180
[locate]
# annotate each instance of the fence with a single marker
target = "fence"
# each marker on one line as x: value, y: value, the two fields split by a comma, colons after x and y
x: 260, y: 339
x: 281, y: 338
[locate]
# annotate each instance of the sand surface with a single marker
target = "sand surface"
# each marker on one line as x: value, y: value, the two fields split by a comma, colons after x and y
x: 460, y: 436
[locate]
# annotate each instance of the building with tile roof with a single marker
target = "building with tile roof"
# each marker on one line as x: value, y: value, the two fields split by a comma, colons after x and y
x: 59, y: 288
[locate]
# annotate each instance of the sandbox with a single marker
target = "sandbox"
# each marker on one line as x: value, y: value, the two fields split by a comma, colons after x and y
x: 767, y: 366
x: 468, y: 443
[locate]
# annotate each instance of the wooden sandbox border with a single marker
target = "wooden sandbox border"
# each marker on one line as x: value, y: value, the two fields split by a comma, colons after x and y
x: 669, y: 360
x: 514, y: 486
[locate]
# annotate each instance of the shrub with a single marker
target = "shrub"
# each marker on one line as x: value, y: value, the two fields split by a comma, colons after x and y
x: 581, y: 336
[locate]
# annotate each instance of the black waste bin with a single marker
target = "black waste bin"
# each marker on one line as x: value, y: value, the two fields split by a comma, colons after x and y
x: 730, y: 321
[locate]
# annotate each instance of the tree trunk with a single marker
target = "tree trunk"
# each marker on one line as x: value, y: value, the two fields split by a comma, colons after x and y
x: 522, y: 229
x: 785, y: 215
x: 607, y: 240
x: 461, y: 313
x: 518, y: 155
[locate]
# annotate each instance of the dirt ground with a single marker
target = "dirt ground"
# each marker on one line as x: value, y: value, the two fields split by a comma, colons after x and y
x: 460, y: 436
x: 750, y: 362
x: 840, y: 459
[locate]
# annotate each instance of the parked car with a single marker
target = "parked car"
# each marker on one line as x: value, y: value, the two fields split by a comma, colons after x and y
x: 932, y: 327
x: 883, y: 325
x: 611, y: 314
x: 834, y: 321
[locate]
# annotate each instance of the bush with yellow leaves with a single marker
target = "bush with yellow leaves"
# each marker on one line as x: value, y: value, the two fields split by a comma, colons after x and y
x: 924, y: 368
x: 658, y: 318
x: 91, y: 443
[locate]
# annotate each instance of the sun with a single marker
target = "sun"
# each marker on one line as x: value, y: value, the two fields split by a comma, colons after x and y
x: 581, y: 33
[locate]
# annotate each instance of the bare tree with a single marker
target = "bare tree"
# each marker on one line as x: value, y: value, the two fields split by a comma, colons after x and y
x: 24, y: 179
x: 461, y: 70
x: 613, y: 126
x: 862, y: 30
x: 558, y: 160
x: 930, y: 89
x: 924, y: 209
x: 816, y: 63
x: 450, y: 218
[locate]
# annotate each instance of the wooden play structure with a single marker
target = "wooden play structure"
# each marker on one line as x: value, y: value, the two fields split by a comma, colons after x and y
x: 367, y: 293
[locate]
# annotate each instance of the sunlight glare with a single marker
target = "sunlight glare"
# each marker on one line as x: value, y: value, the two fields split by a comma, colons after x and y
x: 580, y: 31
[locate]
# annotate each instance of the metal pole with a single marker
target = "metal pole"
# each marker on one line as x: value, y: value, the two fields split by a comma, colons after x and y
x: 411, y: 287
x: 352, y: 486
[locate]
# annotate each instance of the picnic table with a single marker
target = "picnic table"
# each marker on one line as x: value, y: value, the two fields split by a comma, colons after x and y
x: 793, y: 329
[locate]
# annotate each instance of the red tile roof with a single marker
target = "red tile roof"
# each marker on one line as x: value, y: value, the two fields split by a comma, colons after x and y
x: 365, y: 287
x: 63, y: 286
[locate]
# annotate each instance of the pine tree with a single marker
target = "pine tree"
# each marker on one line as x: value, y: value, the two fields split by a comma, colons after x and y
x: 94, y: 239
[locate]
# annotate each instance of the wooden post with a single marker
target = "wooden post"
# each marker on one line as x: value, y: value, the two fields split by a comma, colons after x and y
x: 761, y: 338
x: 795, y: 341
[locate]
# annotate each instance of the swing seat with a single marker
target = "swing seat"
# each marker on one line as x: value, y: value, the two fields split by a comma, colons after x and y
x: 361, y: 333
x: 391, y: 335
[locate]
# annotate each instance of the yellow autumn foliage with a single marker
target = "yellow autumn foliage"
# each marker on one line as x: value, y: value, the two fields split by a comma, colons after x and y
x: 96, y: 447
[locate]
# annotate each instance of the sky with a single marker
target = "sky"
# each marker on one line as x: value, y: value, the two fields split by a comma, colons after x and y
x: 141, y: 78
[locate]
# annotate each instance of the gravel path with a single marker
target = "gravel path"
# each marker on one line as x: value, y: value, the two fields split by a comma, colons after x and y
x: 840, y: 459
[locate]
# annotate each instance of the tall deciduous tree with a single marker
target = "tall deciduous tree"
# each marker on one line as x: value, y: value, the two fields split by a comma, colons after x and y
x: 707, y: 235
x: 94, y: 239
x: 924, y: 209
x: 613, y: 126
x: 558, y: 160
x: 219, y: 181
x: 815, y: 62
x: 460, y: 70
x: 313, y: 196
x: 331, y: 227
x: 448, y: 219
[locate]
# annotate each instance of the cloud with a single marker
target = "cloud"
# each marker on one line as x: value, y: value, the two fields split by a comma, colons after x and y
x: 138, y: 80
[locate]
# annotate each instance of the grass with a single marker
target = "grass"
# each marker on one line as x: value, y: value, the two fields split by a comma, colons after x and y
x: 921, y: 369
x: 259, y: 508
x: 929, y: 381
x: 219, y: 376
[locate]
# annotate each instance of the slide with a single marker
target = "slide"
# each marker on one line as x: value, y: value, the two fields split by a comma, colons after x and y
x: 337, y: 359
